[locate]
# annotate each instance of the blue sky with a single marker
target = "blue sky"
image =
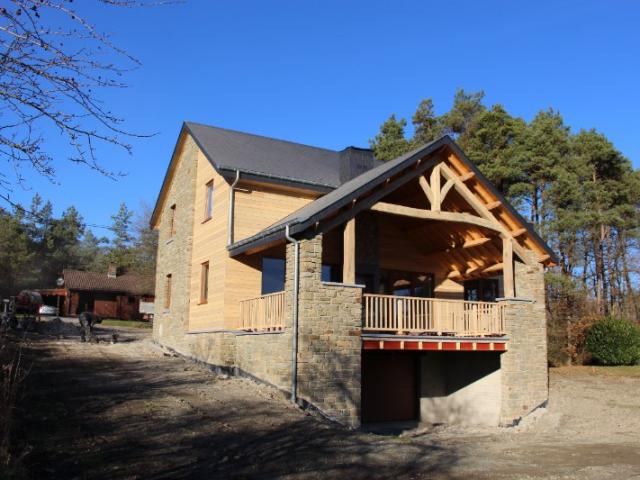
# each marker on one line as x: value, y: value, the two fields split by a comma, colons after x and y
x: 327, y: 73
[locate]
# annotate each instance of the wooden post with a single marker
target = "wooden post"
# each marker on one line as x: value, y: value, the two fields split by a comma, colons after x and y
x: 349, y: 252
x: 507, y: 266
x: 435, y: 188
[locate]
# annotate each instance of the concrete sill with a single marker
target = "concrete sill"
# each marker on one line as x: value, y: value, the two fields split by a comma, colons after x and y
x: 339, y: 284
x: 515, y: 299
x: 235, y: 332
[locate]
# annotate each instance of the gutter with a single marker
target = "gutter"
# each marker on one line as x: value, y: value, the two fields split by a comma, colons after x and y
x: 294, y: 328
x: 232, y: 208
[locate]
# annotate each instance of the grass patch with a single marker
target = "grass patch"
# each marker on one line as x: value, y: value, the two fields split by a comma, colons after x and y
x: 632, y: 371
x: 112, y: 322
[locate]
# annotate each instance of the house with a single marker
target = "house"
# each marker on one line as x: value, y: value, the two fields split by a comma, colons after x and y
x: 108, y: 294
x: 404, y: 290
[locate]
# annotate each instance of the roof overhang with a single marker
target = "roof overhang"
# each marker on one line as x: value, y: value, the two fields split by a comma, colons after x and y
x: 356, y: 196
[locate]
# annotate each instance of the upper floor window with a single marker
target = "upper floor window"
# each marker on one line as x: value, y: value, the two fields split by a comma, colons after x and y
x: 208, y: 201
x: 204, y: 282
x: 167, y: 292
x: 172, y: 220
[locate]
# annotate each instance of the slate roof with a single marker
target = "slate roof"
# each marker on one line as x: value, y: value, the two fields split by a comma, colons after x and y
x: 128, y: 283
x: 231, y: 150
x: 316, y: 210
x: 313, y: 211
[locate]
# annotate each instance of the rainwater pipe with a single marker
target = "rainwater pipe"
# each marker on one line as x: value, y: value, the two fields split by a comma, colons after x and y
x: 294, y: 327
x: 232, y: 208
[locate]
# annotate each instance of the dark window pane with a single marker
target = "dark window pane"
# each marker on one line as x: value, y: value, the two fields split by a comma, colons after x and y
x: 367, y: 281
x: 402, y: 292
x: 326, y: 273
x: 273, y: 272
x: 331, y: 273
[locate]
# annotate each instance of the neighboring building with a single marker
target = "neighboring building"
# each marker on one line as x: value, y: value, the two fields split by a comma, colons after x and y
x: 110, y: 295
x: 405, y: 290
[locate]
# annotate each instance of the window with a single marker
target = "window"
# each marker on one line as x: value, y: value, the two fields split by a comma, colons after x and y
x: 483, y: 290
x: 208, y: 201
x: 172, y: 220
x: 331, y: 273
x: 167, y: 292
x: 406, y: 284
x: 273, y: 272
x: 204, y: 282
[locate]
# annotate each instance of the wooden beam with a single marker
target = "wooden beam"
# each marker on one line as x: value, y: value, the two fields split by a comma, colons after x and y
x: 426, y: 189
x: 544, y: 258
x: 493, y: 205
x: 517, y: 233
x: 476, y: 242
x: 507, y: 272
x: 479, y: 206
x: 454, y: 274
x: 349, y: 252
x: 467, y: 218
x: 496, y: 267
x: 445, y: 190
x: 467, y: 176
x: 435, y: 188
x: 377, y: 195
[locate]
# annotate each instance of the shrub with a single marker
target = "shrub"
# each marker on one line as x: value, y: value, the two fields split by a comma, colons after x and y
x: 613, y: 341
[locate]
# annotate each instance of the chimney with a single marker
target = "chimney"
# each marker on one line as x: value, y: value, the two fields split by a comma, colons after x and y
x: 112, y: 270
x: 355, y: 161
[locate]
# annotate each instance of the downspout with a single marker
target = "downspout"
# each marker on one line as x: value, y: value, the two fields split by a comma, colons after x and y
x: 232, y: 208
x: 294, y: 327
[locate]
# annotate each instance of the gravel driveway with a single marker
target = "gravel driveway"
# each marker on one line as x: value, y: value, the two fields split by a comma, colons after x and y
x: 129, y: 410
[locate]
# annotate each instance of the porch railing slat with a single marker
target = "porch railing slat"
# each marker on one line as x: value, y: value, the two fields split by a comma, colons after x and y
x: 389, y: 313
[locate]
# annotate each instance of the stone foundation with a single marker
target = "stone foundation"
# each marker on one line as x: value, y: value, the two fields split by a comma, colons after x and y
x: 524, y: 368
x: 329, y: 343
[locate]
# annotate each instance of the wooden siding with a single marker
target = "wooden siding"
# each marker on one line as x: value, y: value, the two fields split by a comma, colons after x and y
x: 259, y: 207
x: 231, y: 280
x: 209, y: 245
x: 255, y: 209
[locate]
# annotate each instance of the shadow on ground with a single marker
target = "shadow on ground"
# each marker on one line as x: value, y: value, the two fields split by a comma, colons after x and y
x: 121, y: 411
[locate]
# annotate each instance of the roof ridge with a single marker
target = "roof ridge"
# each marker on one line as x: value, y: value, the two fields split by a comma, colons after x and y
x: 266, y: 137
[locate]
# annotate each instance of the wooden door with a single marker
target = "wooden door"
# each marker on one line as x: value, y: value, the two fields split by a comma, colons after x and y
x: 389, y: 386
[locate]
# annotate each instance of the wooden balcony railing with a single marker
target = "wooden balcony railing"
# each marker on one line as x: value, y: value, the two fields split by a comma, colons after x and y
x: 263, y: 313
x: 413, y: 315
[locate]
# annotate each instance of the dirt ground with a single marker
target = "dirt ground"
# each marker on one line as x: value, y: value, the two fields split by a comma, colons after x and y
x: 129, y: 411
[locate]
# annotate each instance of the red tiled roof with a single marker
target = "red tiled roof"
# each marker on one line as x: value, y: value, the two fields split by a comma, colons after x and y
x: 129, y: 283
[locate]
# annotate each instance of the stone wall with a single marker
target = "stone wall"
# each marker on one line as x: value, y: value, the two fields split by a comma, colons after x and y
x: 174, y: 251
x: 329, y: 343
x: 524, y: 366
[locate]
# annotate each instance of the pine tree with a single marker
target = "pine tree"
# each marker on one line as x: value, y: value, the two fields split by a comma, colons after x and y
x: 390, y: 142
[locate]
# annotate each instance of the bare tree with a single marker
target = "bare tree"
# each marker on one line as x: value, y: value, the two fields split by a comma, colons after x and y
x: 53, y: 63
